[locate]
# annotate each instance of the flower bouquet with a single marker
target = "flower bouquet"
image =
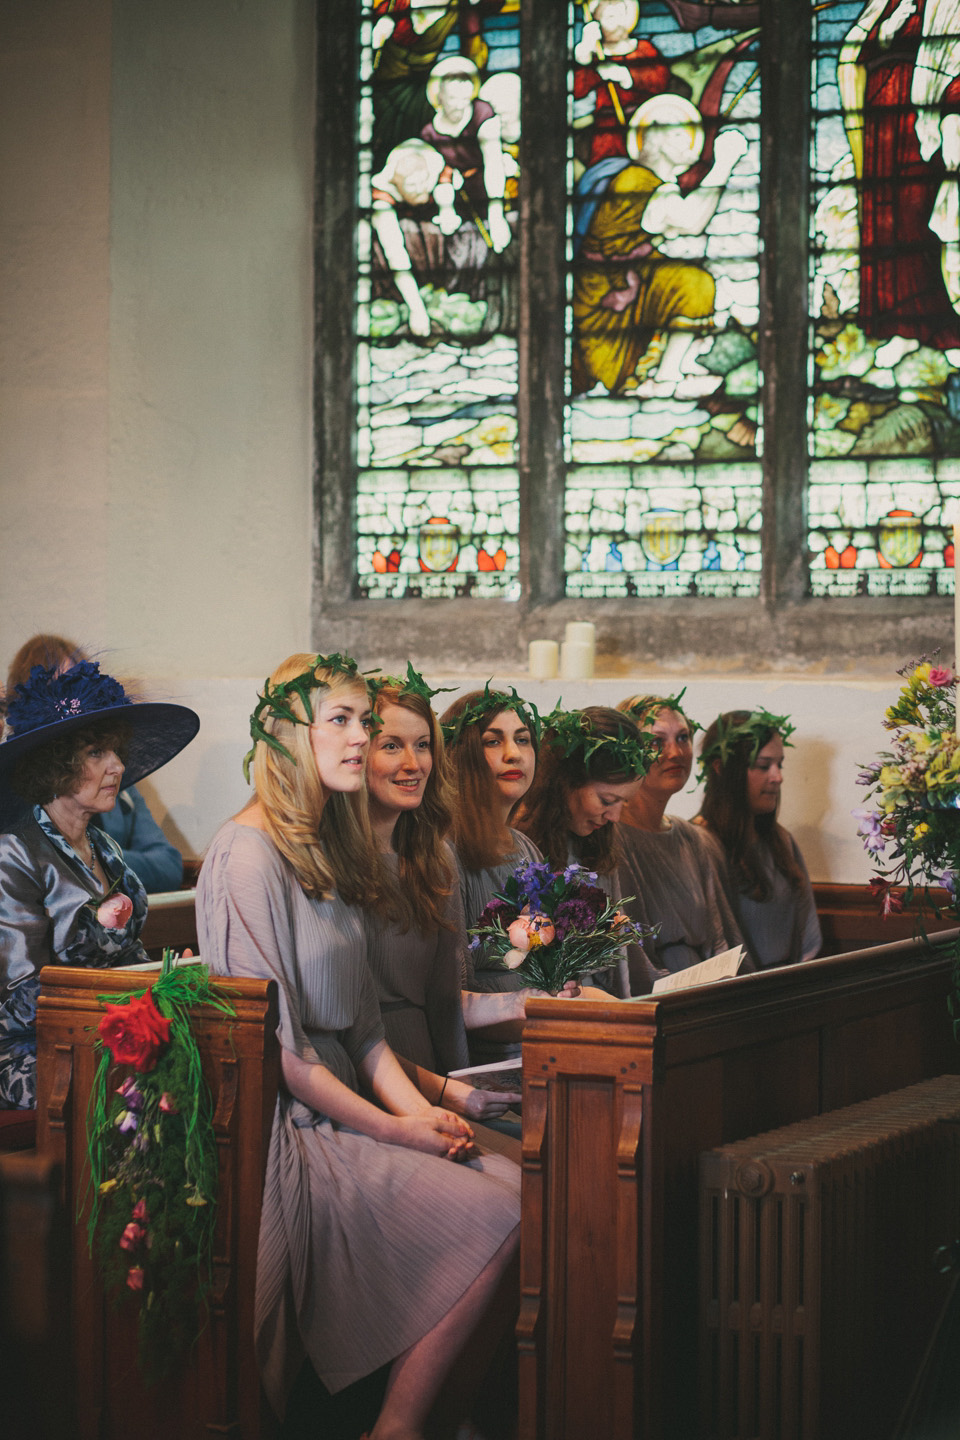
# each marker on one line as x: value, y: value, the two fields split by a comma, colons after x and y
x: 153, y: 1159
x: 915, y: 789
x: 553, y: 926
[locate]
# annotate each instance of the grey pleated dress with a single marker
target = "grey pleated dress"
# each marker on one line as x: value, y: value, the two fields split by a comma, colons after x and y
x: 675, y: 878
x: 364, y: 1246
x: 417, y: 976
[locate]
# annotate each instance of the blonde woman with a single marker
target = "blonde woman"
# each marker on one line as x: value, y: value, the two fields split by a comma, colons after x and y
x: 374, y: 1247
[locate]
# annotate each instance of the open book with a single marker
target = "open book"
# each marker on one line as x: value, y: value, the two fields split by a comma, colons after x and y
x: 500, y: 1075
x: 718, y: 967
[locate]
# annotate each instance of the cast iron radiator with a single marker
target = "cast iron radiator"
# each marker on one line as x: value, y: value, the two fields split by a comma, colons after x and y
x: 819, y: 1283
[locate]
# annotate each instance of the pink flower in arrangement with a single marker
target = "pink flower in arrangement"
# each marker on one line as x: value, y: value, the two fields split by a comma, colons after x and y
x: 140, y: 1212
x: 114, y: 913
x: 135, y: 1277
x: 132, y: 1236
x: 513, y: 958
x: 940, y: 676
x: 131, y: 1094
x: 168, y: 1104
x: 529, y: 931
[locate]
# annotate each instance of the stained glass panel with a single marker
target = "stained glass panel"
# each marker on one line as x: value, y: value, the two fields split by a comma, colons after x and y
x: 885, y: 386
x: 663, y: 418
x: 437, y: 510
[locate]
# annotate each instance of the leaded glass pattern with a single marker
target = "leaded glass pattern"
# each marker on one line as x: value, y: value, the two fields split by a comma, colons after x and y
x: 884, y: 483
x: 663, y: 417
x: 437, y: 492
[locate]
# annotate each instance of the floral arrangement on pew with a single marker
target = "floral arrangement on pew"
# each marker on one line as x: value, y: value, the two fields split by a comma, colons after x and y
x: 554, y: 926
x: 153, y: 1159
x: 915, y: 790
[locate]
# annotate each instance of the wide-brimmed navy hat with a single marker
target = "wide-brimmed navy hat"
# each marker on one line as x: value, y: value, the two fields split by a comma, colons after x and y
x: 50, y: 704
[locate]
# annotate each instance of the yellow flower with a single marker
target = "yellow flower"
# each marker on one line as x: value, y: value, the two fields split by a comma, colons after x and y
x: 107, y: 1186
x: 922, y: 829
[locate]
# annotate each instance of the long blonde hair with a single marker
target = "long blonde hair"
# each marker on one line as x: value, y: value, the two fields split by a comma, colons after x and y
x: 326, y: 838
x: 424, y: 872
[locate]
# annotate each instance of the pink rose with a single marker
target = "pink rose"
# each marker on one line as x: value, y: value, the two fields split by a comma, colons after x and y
x: 140, y: 1212
x: 939, y: 676
x: 135, y: 1277
x: 519, y: 934
x: 168, y: 1104
x: 114, y: 913
x: 132, y: 1236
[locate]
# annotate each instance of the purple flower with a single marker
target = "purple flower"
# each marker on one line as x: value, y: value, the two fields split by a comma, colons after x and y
x: 130, y: 1093
x: 126, y: 1122
x: 576, y: 916
x: 949, y: 882
x: 870, y: 829
x: 532, y: 879
x: 493, y: 911
x: 868, y: 775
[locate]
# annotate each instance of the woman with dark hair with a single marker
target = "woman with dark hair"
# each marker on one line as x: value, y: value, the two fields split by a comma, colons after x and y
x: 374, y: 1248
x: 66, y: 895
x: 670, y: 866
x: 741, y: 761
x: 592, y: 762
x: 415, y: 935
x: 145, y: 848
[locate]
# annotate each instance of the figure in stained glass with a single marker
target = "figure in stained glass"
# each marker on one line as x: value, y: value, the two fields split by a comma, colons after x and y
x: 408, y: 38
x: 466, y: 132
x: 625, y: 289
x: 414, y: 176
x: 615, y: 72
x: 902, y: 291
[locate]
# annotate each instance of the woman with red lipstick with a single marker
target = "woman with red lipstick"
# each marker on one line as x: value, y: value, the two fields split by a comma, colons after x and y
x: 415, y: 936
x: 741, y: 760
x: 592, y: 763
x: 669, y: 865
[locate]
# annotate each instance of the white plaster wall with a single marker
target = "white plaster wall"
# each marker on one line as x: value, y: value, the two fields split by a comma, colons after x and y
x: 156, y: 167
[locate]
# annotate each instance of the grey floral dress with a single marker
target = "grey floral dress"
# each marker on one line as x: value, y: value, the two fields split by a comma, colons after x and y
x: 48, y: 916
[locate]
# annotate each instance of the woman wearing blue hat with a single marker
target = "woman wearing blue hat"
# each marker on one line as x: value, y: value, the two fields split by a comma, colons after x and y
x: 66, y: 895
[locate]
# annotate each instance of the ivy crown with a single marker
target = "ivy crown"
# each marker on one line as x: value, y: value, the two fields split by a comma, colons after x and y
x: 492, y: 702
x: 759, y: 723
x: 570, y: 732
x: 276, y: 701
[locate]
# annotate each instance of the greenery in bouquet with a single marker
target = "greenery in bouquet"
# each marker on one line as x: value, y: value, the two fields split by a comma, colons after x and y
x: 913, y: 821
x: 554, y: 926
x: 153, y: 1159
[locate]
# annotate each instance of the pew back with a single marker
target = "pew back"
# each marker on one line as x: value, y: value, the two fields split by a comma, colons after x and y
x: 216, y: 1389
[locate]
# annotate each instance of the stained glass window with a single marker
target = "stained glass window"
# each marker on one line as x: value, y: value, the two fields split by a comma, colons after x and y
x: 663, y: 424
x: 437, y: 509
x: 884, y: 484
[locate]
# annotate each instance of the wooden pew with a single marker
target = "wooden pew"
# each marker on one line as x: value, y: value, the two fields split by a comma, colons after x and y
x: 620, y: 1099
x: 216, y: 1389
x: 850, y: 918
x: 171, y: 923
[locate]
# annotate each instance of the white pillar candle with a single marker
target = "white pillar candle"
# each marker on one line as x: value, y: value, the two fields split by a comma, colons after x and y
x: 583, y: 632
x: 543, y: 658
x: 576, y: 660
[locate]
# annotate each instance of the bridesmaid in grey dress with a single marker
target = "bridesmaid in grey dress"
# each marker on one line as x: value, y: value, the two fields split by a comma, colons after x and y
x: 670, y: 866
x: 591, y: 765
x: 741, y: 759
x: 374, y: 1246
x: 415, y: 937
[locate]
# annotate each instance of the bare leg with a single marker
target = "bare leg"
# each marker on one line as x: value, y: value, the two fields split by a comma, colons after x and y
x: 420, y: 1372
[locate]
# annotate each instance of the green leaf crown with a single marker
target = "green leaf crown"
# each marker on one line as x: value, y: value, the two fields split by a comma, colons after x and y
x: 571, y: 732
x: 492, y: 702
x: 757, y: 724
x: 665, y: 702
x: 275, y: 701
x: 410, y: 685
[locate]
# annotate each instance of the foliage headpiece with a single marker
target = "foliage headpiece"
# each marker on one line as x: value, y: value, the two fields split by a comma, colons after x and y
x: 758, y: 724
x: 409, y: 686
x: 572, y: 734
x: 275, y: 701
x: 644, y: 712
x: 491, y: 702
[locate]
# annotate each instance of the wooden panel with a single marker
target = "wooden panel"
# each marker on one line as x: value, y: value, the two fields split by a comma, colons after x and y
x: 619, y: 1101
x: 171, y: 923
x: 216, y: 1391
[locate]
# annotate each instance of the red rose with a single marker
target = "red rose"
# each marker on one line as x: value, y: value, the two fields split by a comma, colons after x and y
x: 135, y: 1277
x: 135, y: 1033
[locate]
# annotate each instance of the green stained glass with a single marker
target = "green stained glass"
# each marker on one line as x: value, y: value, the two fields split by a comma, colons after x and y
x: 437, y: 511
x: 885, y: 295
x: 663, y: 419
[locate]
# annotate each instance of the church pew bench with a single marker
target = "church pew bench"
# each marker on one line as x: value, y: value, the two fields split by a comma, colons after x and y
x: 850, y: 918
x: 216, y: 1388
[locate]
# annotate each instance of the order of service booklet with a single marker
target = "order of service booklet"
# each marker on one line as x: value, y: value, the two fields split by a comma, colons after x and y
x: 500, y: 1075
x: 718, y: 967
